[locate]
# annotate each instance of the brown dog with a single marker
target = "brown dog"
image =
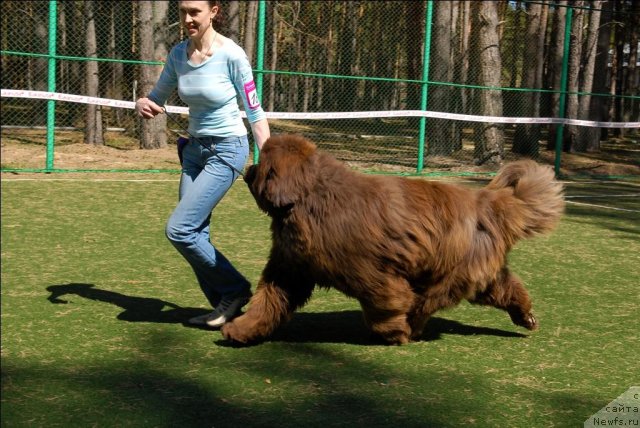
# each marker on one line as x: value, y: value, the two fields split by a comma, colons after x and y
x: 404, y: 248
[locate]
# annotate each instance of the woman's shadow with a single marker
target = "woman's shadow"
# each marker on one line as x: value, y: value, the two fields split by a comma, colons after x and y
x: 136, y: 309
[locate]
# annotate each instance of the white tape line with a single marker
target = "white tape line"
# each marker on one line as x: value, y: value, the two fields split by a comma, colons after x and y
x: 14, y: 93
x: 628, y: 195
x: 451, y: 116
x: 88, y: 179
x: 603, y: 206
x: 589, y: 183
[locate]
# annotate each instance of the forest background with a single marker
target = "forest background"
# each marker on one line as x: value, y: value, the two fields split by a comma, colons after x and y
x: 488, y: 58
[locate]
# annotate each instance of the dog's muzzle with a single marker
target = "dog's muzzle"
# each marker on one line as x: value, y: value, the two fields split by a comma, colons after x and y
x: 250, y: 174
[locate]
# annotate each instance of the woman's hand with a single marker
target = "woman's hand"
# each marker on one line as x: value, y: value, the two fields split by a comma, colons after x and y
x: 147, y: 108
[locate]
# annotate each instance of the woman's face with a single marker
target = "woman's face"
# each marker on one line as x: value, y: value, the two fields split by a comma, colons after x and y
x: 196, y: 16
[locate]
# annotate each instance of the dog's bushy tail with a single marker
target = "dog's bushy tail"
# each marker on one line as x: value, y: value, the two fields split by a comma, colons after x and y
x: 529, y: 201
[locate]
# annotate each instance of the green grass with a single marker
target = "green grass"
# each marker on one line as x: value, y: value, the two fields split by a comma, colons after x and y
x: 93, y: 300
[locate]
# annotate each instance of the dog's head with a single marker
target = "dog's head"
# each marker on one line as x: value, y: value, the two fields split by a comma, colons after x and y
x: 285, y: 173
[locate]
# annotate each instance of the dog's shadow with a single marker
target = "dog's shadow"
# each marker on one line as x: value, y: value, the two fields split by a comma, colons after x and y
x: 319, y: 327
x: 349, y: 327
x: 135, y: 309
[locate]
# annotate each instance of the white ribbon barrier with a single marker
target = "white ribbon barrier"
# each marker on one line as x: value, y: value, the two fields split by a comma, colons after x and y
x: 43, y: 95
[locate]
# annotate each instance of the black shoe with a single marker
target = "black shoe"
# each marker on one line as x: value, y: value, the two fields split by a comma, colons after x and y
x: 228, y: 308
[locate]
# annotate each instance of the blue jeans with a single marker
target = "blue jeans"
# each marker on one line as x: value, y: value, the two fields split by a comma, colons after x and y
x: 205, y: 180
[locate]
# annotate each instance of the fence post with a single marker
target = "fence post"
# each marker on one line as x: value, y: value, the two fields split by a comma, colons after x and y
x: 425, y: 84
x: 51, y: 83
x: 262, y: 17
x: 563, y: 88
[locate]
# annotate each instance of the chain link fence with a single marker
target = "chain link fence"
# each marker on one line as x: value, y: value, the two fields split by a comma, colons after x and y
x: 497, y: 60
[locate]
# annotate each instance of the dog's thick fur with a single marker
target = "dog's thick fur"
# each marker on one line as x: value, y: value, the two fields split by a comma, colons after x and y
x: 404, y: 248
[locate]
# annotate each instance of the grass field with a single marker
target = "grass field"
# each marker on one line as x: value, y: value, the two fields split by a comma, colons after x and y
x: 94, y: 299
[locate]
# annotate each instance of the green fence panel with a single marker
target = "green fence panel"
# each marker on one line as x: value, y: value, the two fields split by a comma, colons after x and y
x: 491, y: 77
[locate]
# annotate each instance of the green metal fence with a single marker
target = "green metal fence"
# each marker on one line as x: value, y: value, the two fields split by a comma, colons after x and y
x: 396, y: 85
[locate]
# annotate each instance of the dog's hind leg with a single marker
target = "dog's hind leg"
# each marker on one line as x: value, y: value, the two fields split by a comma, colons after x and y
x: 418, y: 319
x: 389, y: 325
x: 385, y: 311
x: 441, y: 295
x: 508, y: 293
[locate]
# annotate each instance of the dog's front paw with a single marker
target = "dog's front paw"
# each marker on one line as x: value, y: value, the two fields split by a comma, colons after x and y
x: 530, y: 322
x: 527, y: 320
x: 236, y: 331
x: 231, y: 332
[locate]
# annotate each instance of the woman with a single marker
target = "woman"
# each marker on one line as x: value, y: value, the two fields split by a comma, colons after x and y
x: 209, y: 71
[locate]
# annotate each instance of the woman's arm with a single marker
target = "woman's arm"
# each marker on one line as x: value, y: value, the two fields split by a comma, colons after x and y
x: 151, y: 105
x: 261, y: 132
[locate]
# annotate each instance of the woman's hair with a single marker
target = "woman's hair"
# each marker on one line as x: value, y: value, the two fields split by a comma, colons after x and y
x: 218, y: 21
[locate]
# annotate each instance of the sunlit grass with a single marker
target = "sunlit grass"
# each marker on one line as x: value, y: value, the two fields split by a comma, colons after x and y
x: 94, y: 299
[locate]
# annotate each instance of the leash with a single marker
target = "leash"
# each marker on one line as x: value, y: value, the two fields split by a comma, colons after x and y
x: 213, y: 149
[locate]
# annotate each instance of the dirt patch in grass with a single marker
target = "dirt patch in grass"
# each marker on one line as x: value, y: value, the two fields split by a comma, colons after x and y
x: 27, y: 150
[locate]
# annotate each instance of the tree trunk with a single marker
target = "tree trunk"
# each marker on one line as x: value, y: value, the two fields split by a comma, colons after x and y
x: 64, y: 77
x: 490, y: 143
x: 276, y: 34
x: 324, y: 104
x: 617, y: 68
x: 347, y: 56
x: 554, y: 75
x: 323, y: 54
x: 250, y: 30
x: 464, y: 53
x: 61, y: 49
x: 455, y: 105
x: 305, y: 61
x: 631, y: 107
x: 40, y: 44
x: 527, y: 136
x: 573, y: 78
x: 161, y: 51
x: 441, y: 70
x: 540, y: 65
x: 116, y: 69
x: 93, y: 133
x: 356, y: 69
x: 584, y: 105
x: 600, y: 104
x: 40, y: 71
x: 233, y: 20
x: 414, y: 16
x: 150, y: 17
x: 516, y: 48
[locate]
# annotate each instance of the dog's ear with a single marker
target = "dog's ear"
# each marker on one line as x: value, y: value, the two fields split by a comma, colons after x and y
x: 291, y: 170
x: 285, y: 182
